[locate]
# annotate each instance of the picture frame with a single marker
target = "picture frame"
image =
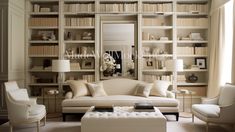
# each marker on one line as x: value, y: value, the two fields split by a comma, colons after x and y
x: 201, y: 63
x: 88, y: 64
x: 149, y: 63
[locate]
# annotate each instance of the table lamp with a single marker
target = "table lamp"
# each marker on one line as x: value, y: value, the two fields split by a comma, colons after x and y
x: 60, y: 66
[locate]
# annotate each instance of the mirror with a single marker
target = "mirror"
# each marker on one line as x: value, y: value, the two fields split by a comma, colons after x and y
x: 118, y: 48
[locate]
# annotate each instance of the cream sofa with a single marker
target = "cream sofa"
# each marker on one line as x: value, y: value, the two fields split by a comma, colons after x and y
x: 120, y: 93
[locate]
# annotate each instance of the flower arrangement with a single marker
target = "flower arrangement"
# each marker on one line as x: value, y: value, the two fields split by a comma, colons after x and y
x: 108, y: 65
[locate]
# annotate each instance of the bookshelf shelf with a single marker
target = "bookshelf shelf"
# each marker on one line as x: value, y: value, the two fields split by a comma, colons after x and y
x: 197, y: 70
x: 157, y: 27
x: 40, y: 56
x: 40, y: 71
x: 79, y: 56
x: 43, y: 84
x: 191, y: 84
x: 79, y: 13
x: 43, y: 13
x: 155, y: 70
x: 42, y: 27
x: 155, y: 56
x: 189, y: 14
x: 195, y: 42
x: 191, y: 56
x: 42, y: 42
x: 79, y: 41
x: 191, y: 27
x: 79, y: 27
x: 83, y: 70
x: 155, y: 41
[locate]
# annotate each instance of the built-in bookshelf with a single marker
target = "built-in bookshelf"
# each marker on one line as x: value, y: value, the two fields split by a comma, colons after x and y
x: 70, y: 29
x: 79, y: 40
x: 192, y: 42
x: 43, y: 46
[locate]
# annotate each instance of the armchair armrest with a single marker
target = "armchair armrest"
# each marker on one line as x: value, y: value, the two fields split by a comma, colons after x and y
x: 226, y: 112
x: 170, y: 94
x: 17, y: 111
x: 210, y: 100
x: 69, y: 95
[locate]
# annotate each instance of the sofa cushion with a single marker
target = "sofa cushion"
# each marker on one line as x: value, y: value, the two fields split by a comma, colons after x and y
x: 159, y: 88
x: 143, y: 89
x: 119, y: 100
x: 207, y: 110
x: 96, y: 89
x: 79, y: 88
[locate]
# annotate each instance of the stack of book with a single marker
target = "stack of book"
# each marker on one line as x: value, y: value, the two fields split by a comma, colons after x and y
x: 152, y: 78
x: 89, y: 78
x: 103, y: 109
x: 144, y: 107
x: 192, y: 7
x: 159, y: 7
x: 43, y: 21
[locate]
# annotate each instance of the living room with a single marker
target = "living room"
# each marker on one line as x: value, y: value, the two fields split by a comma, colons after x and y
x: 124, y: 65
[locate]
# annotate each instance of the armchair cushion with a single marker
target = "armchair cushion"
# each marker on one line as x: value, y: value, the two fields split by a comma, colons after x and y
x: 36, y: 110
x: 227, y: 95
x: 207, y: 110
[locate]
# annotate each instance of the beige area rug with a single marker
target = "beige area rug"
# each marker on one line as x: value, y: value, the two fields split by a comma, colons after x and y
x: 56, y: 125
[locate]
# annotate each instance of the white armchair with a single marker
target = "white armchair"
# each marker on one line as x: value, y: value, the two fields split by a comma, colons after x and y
x: 219, y: 109
x: 22, y: 109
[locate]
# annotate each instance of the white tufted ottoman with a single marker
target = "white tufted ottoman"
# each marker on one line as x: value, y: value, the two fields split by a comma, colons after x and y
x: 123, y: 119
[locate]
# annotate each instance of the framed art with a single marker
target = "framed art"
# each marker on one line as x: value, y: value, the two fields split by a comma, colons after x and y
x: 88, y: 64
x: 149, y: 63
x: 201, y: 63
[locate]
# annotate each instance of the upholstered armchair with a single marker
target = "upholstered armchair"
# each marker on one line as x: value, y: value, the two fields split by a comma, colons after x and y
x: 22, y: 109
x: 219, y: 109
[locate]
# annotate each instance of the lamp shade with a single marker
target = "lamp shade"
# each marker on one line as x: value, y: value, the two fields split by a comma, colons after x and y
x: 60, y: 65
x: 175, y: 65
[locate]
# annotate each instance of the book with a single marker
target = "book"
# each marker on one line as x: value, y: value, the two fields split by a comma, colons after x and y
x: 144, y: 106
x: 103, y: 109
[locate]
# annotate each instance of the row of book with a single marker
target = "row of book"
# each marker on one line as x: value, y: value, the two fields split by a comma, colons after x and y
x: 83, y: 50
x: 75, y: 66
x: 192, y: 22
x: 158, y: 21
x: 39, y: 8
x: 181, y: 78
x: 192, y: 8
x: 44, y: 50
x: 89, y: 7
x: 192, y: 50
x: 151, y: 36
x: 122, y: 7
x: 159, y: 7
x: 43, y: 22
x: 89, y: 78
x: 85, y: 21
x: 152, y: 78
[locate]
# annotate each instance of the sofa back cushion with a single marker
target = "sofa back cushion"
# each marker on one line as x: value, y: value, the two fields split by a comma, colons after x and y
x: 227, y: 95
x: 120, y: 86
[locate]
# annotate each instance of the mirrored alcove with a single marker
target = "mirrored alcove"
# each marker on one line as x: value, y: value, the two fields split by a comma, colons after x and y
x: 118, y: 48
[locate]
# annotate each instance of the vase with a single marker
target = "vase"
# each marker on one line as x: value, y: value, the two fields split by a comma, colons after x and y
x: 192, y: 78
x: 107, y: 73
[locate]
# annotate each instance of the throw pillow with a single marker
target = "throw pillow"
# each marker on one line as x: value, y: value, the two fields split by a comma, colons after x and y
x: 96, y: 89
x: 159, y: 88
x: 143, y: 89
x: 79, y: 88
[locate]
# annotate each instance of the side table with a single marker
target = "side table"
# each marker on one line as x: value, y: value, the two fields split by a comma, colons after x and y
x: 54, y: 93
x: 185, y: 93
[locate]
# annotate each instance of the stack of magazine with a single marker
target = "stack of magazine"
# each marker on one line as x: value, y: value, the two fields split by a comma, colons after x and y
x: 144, y: 107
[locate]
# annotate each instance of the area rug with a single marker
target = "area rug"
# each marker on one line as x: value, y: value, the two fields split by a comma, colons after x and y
x: 57, y: 125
